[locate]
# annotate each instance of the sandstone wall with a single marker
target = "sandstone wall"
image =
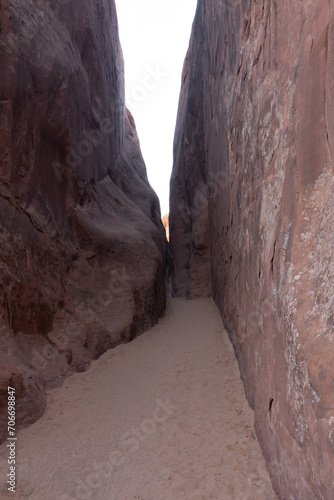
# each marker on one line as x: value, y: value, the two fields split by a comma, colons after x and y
x: 267, y: 71
x: 81, y: 241
x: 189, y: 228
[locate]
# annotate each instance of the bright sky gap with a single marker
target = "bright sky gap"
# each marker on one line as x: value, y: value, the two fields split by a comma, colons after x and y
x: 155, y: 37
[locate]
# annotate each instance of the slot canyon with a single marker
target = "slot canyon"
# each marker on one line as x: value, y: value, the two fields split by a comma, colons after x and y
x: 86, y: 268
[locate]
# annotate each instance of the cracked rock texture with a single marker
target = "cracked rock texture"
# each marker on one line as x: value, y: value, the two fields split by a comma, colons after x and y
x: 252, y: 197
x: 82, y: 246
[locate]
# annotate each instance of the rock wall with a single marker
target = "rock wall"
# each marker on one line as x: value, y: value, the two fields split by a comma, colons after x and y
x: 189, y: 228
x: 82, y: 246
x: 261, y: 102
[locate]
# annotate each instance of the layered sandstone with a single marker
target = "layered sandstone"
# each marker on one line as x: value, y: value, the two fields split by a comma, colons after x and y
x: 255, y: 139
x: 82, y: 243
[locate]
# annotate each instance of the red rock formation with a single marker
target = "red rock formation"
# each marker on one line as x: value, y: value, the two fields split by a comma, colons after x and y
x: 189, y: 228
x: 165, y: 221
x: 82, y: 244
x: 267, y: 72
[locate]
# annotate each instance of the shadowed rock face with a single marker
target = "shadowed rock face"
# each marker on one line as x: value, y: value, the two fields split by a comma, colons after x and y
x: 81, y: 240
x: 189, y: 227
x: 257, y: 108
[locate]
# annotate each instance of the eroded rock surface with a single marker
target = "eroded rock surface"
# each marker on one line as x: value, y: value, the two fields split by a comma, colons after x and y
x: 189, y: 227
x: 82, y: 243
x: 264, y: 133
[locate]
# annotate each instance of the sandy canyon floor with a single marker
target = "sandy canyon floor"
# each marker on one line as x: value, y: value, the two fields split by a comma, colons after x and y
x: 162, y: 418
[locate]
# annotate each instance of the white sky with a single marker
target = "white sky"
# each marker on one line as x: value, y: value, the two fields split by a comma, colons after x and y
x: 155, y: 37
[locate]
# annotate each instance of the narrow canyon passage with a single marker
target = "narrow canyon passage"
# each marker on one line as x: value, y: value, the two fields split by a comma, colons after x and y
x: 161, y: 418
x: 84, y: 255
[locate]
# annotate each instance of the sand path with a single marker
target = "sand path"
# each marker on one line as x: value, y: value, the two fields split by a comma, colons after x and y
x: 161, y: 418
